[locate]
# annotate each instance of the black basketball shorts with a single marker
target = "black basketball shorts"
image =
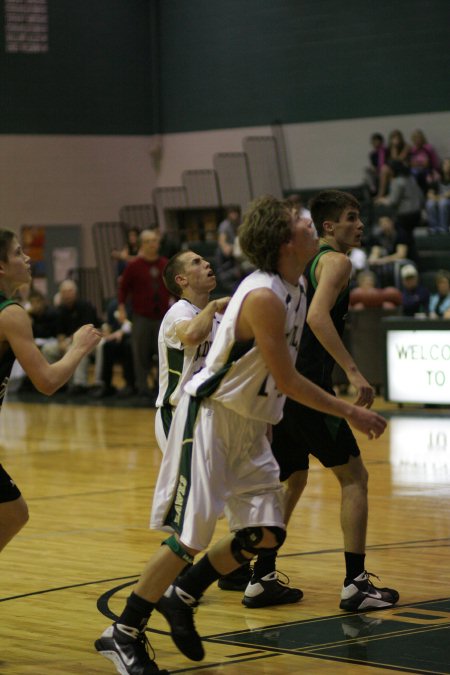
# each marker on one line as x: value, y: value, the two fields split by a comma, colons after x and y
x: 304, y: 431
x: 8, y: 489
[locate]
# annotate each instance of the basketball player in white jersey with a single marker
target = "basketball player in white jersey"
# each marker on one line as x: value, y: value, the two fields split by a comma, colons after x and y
x: 218, y: 456
x: 186, y: 332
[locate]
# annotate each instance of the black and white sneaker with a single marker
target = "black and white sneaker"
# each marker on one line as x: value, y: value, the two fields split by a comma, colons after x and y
x: 360, y: 595
x: 270, y: 590
x: 177, y: 607
x: 128, y: 648
x: 237, y: 580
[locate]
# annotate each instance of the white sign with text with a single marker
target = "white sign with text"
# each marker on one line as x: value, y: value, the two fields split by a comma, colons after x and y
x: 418, y: 366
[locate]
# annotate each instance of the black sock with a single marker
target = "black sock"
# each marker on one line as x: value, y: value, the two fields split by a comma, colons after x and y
x: 264, y: 564
x: 136, y: 612
x: 354, y: 564
x: 197, y: 579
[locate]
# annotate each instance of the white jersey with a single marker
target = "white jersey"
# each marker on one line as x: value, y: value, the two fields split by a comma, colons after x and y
x: 178, y: 362
x: 235, y: 373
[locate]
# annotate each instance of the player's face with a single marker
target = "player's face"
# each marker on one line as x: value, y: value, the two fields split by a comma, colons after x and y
x: 304, y: 237
x: 198, y: 272
x: 17, y: 270
x: 348, y: 230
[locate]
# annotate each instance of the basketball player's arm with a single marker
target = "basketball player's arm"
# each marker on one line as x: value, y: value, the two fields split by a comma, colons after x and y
x: 193, y: 332
x: 262, y: 317
x: 333, y: 276
x: 15, y: 326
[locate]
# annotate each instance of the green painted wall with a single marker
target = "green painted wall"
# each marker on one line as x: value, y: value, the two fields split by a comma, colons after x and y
x: 248, y: 62
x: 94, y: 78
x: 226, y: 63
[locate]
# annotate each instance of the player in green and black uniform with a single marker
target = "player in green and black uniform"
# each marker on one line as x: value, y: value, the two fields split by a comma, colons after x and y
x: 16, y: 341
x: 302, y: 430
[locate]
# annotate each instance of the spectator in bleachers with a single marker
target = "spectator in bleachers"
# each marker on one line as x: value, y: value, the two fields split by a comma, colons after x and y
x: 72, y: 313
x: 377, y: 159
x: 388, y: 244
x: 415, y: 296
x: 439, y: 306
x: 128, y: 252
x: 115, y: 347
x: 228, y: 270
x: 438, y: 201
x: 398, y: 150
x: 44, y: 318
x: 404, y: 202
x: 142, y: 285
x: 423, y: 159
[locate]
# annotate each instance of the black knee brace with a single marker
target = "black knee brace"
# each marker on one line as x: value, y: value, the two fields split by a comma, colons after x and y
x: 248, y: 539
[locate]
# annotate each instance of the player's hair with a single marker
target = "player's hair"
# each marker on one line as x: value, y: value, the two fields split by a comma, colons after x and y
x: 174, y: 266
x: 6, y: 237
x: 329, y: 205
x: 266, y: 226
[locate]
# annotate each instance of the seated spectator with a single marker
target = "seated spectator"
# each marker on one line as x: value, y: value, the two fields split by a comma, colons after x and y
x: 398, y: 150
x: 439, y: 307
x: 228, y: 270
x: 377, y: 159
x: 423, y: 159
x: 387, y: 245
x: 72, y: 313
x: 415, y: 297
x: 44, y: 318
x: 115, y: 347
x: 438, y: 201
x: 404, y: 201
x: 366, y: 293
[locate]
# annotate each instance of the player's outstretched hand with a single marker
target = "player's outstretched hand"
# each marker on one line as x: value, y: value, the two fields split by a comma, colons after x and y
x: 367, y: 421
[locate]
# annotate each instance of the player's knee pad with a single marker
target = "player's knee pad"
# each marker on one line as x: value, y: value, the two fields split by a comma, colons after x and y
x: 236, y: 552
x: 177, y: 548
x: 248, y: 539
x: 245, y: 540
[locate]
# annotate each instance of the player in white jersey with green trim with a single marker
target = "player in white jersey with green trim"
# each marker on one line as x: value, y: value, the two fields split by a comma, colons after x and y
x: 186, y: 332
x: 218, y: 441
x: 235, y: 376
